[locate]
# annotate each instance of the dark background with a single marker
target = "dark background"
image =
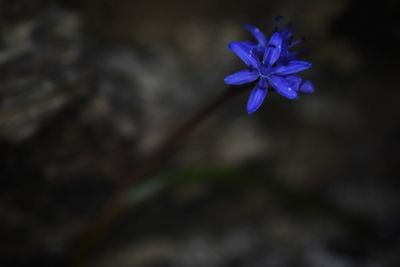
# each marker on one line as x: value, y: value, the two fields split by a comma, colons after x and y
x: 87, y: 88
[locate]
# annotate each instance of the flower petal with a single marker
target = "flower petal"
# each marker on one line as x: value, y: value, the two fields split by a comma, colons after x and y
x: 292, y: 67
x: 282, y: 87
x: 254, y: 48
x: 273, y: 50
x: 243, y: 51
x: 295, y: 42
x: 287, y: 34
x: 294, y: 82
x: 292, y: 55
x: 259, y: 35
x: 307, y: 87
x: 278, y: 20
x: 242, y: 77
x: 248, y: 44
x: 257, y: 96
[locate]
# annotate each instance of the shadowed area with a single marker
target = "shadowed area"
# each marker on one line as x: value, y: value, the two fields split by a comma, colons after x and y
x: 89, y: 88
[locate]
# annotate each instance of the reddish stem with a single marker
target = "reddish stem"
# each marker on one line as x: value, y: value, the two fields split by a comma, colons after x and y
x: 149, y: 165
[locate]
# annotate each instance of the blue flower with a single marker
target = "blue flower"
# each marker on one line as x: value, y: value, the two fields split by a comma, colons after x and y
x: 270, y: 63
x: 288, y: 40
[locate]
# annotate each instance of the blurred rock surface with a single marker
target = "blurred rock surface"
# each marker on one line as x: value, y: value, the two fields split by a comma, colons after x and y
x: 85, y: 92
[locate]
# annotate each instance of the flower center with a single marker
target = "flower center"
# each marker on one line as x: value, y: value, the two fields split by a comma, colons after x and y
x: 265, y: 71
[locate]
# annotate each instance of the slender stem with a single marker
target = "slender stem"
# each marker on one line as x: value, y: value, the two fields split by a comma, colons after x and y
x: 149, y: 165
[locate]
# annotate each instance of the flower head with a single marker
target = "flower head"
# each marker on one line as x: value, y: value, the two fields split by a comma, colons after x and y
x: 270, y: 63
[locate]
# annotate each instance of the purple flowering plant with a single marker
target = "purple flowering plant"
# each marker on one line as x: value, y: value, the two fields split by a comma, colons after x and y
x: 270, y: 63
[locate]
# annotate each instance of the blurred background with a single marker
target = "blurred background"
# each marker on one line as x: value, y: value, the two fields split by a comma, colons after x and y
x: 87, y: 88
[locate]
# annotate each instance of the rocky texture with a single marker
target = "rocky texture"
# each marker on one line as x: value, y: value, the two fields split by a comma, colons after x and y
x: 87, y: 88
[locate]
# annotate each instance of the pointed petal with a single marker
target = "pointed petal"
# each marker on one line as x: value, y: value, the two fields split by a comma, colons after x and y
x: 257, y: 33
x: 259, y: 51
x: 294, y: 82
x: 307, y: 87
x: 292, y: 55
x: 244, y: 53
x: 241, y: 77
x: 254, y: 48
x: 287, y: 33
x: 278, y: 20
x: 282, y: 87
x: 257, y: 96
x: 295, y: 42
x: 248, y: 44
x: 273, y: 50
x: 292, y: 67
